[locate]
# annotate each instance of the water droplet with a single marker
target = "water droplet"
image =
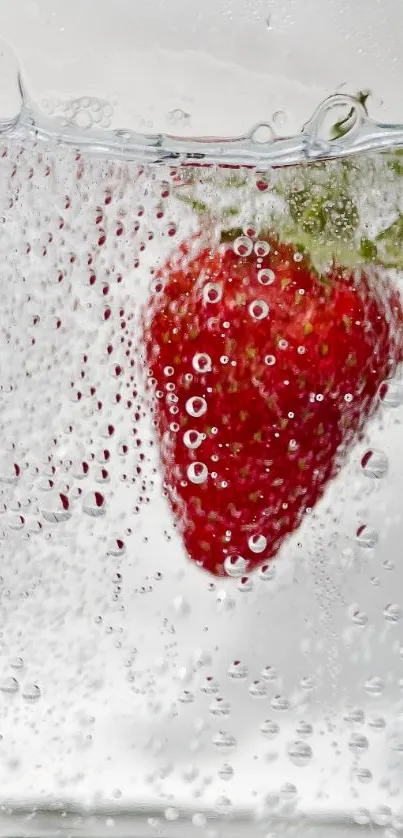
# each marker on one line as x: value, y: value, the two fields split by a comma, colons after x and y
x: 171, y: 814
x: 94, y: 504
x: 186, y: 697
x: 220, y: 707
x: 199, y: 819
x: 367, y: 536
x: 374, y: 686
x: 212, y: 292
x: 358, y: 617
x: 270, y: 729
x: 299, y: 752
x: 226, y: 772
x: 308, y: 683
x: 235, y: 566
x: 279, y: 118
x: 243, y: 246
x: 258, y: 689
x: 201, y: 362
x: 31, y: 691
x: 393, y: 613
x: 358, y: 743
x: 258, y: 309
x: 257, y: 543
x: 391, y: 394
x: 197, y: 473
x: 9, y: 685
x: 266, y: 276
x: 270, y: 360
x: 224, y: 741
x: 361, y: 817
x: 375, y: 464
x: 238, y: 671
x: 196, y: 406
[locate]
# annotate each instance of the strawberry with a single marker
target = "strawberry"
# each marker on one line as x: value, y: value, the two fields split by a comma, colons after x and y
x: 264, y: 373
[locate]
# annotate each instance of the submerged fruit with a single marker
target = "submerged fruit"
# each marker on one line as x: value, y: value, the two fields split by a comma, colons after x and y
x: 264, y: 374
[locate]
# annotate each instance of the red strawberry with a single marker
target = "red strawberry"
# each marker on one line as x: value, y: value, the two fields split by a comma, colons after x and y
x: 264, y: 375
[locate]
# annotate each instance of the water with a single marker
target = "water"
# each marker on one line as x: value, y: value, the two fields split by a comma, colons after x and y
x: 131, y: 679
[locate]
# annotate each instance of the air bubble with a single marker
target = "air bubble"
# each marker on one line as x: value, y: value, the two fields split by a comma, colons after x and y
x: 391, y: 394
x: 210, y: 685
x: 245, y: 584
x: 243, y: 246
x: 196, y: 406
x: 375, y: 464
x: 280, y: 703
x: 374, y: 686
x: 201, y: 362
x: 212, y: 292
x: 57, y: 508
x: 367, y: 536
x: 393, y: 613
x: 304, y: 729
x: 235, y: 566
x: 193, y: 439
x: 31, y: 692
x: 270, y: 729
x: 266, y: 276
x: 94, y: 504
x: 226, y: 772
x: 270, y: 360
x: 299, y: 753
x: 197, y: 473
x: 267, y: 572
x: 269, y: 674
x: 220, y: 707
x: 9, y: 685
x: 258, y: 689
x: 261, y: 249
x: 224, y: 741
x: 238, y: 671
x: 364, y: 775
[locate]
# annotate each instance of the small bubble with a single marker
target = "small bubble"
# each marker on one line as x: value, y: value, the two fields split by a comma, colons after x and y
x: 94, y: 504
x: 267, y: 572
x: 235, y: 566
x: 197, y: 473
x: 266, y: 276
x: 9, y: 685
x: 171, y: 814
x: 243, y: 246
x: 382, y: 815
x: 238, y: 671
x: 270, y: 729
x: 364, y: 775
x: 31, y: 692
x: 199, y: 820
x: 212, y: 292
x: 220, y: 707
x: 375, y: 464
x: 226, y: 772
x: 224, y: 741
x: 270, y: 360
x: 283, y: 344
x: 186, y: 697
x: 304, y: 729
x: 298, y: 257
x: 280, y: 703
x: 391, y: 394
x: 269, y: 674
x: 299, y: 753
x: 358, y: 743
x: 245, y: 584
x: 257, y: 543
x: 258, y: 689
x: 261, y: 249
x: 17, y: 663
x: 258, y: 309
x: 393, y: 613
x: 377, y: 723
x: 374, y: 686
x: 209, y: 685
x: 201, y: 362
x: 354, y: 715
x: 367, y: 536
x: 288, y: 791
x: 279, y: 118
x: 57, y: 508
x: 193, y: 439
x: 361, y: 817
x: 307, y: 683
x: 196, y: 406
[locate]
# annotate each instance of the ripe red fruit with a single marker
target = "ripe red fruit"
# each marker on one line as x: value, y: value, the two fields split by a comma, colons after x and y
x: 264, y: 375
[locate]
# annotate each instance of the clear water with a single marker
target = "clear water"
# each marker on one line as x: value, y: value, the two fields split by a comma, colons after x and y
x: 115, y: 649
